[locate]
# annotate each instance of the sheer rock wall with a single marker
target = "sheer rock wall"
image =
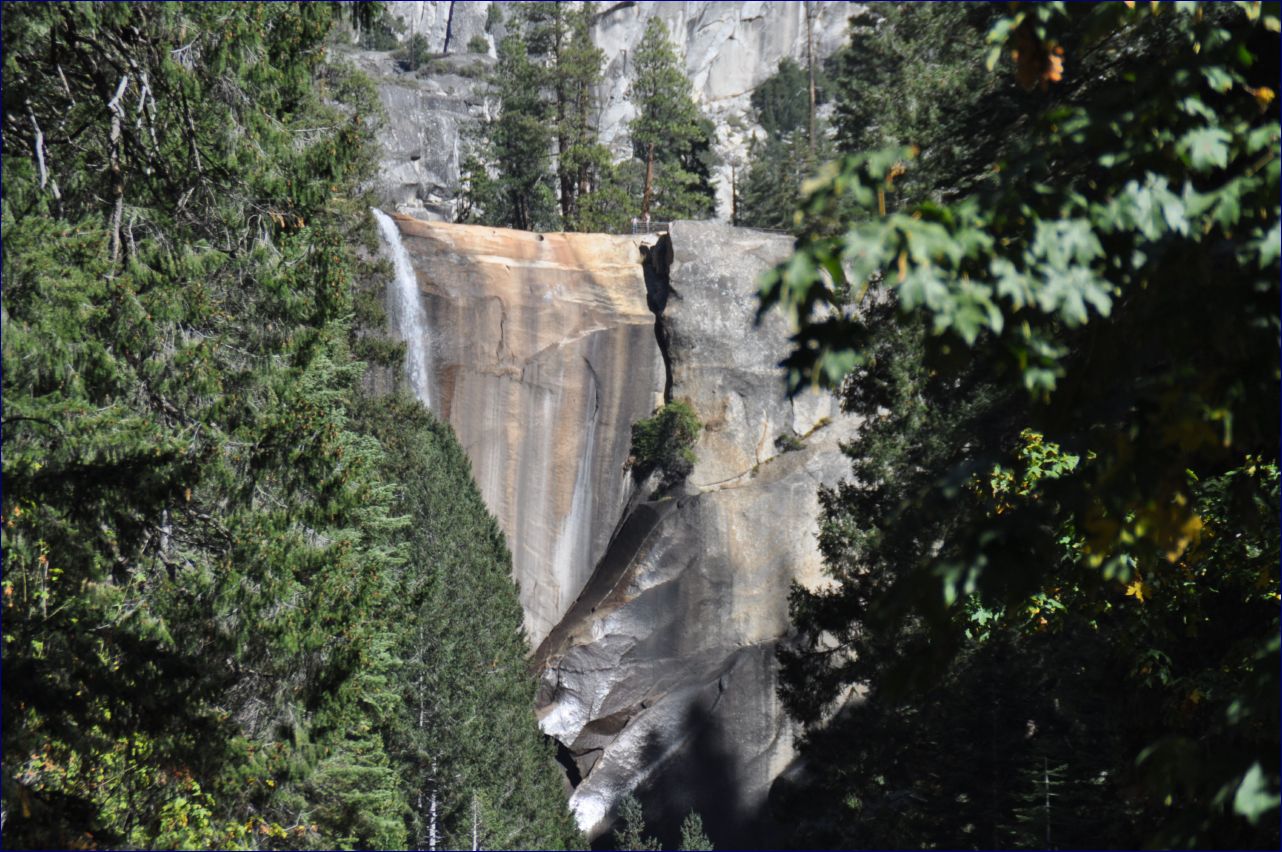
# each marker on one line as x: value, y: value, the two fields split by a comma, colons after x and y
x: 656, y: 616
x: 662, y: 678
x: 543, y: 354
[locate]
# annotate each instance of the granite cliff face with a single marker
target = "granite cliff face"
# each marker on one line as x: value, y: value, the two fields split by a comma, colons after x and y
x: 656, y: 618
x: 661, y: 679
x: 729, y: 49
x: 542, y: 354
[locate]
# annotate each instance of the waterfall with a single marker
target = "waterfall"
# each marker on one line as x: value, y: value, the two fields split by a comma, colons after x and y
x: 405, y: 310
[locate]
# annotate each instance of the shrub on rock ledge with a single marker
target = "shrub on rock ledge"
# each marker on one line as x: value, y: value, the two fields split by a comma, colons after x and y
x: 665, y: 443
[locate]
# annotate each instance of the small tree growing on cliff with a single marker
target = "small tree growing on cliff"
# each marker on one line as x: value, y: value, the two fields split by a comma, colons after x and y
x: 693, y: 838
x: 669, y: 132
x: 665, y: 443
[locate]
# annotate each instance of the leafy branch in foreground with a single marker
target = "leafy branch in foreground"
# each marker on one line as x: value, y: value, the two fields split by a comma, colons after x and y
x: 1070, y: 385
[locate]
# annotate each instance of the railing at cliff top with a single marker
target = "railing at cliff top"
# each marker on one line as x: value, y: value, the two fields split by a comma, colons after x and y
x: 639, y: 227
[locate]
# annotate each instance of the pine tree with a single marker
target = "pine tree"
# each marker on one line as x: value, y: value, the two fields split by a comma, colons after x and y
x: 466, y: 730
x: 789, y: 154
x: 185, y: 491
x: 630, y: 834
x: 1020, y: 504
x: 559, y: 36
x: 669, y: 134
x: 508, y: 181
x: 212, y: 632
x: 692, y: 836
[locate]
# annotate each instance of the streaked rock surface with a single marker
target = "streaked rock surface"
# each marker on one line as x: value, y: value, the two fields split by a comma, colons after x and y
x: 656, y: 619
x: 661, y: 678
x: 543, y: 354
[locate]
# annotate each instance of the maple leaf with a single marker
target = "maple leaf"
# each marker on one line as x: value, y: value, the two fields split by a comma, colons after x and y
x: 1139, y: 590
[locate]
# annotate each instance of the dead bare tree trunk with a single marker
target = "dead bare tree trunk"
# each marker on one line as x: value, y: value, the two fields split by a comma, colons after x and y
x: 649, y: 180
x: 432, y: 836
x: 810, y: 62
x: 117, y: 172
x: 40, y: 155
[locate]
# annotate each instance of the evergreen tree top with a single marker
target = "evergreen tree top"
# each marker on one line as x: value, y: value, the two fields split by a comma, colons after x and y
x: 661, y: 91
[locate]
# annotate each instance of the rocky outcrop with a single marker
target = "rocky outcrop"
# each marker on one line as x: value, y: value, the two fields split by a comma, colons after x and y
x: 656, y: 616
x: 425, y: 133
x: 661, y: 678
x: 542, y: 355
x: 729, y: 49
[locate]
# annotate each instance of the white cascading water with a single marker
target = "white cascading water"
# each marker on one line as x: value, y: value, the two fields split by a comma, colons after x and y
x: 406, y: 310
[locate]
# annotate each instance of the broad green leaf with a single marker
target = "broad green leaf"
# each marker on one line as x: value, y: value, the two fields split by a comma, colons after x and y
x: 1254, y: 799
x: 1206, y: 148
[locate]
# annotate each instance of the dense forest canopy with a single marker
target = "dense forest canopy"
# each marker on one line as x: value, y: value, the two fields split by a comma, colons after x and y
x: 244, y: 605
x: 1056, y: 562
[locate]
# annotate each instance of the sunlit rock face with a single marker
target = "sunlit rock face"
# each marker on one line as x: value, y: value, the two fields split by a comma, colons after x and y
x: 543, y: 355
x: 656, y: 618
x: 424, y: 137
x: 662, y: 677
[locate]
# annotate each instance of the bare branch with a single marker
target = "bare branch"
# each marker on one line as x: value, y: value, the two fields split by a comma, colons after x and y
x: 40, y: 150
x: 114, y: 103
x: 118, y: 175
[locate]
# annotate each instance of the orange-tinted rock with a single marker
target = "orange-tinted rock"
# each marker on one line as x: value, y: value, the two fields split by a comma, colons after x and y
x: 542, y: 356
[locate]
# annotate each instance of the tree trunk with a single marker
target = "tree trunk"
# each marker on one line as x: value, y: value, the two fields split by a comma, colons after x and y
x: 432, y: 836
x: 584, y: 102
x: 117, y: 172
x: 563, y: 141
x: 810, y: 62
x: 734, y: 195
x: 649, y: 179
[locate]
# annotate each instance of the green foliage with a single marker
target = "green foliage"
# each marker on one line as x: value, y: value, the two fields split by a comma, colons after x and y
x: 415, y: 53
x: 382, y: 33
x: 186, y: 499
x: 205, y: 635
x: 573, y: 65
x: 771, y: 190
x: 781, y: 105
x: 913, y: 74
x: 539, y: 164
x: 478, y: 44
x: 665, y: 443
x: 1070, y: 385
x: 631, y: 834
x: 669, y: 134
x: 692, y: 836
x: 785, y: 159
x: 493, y: 18
x: 465, y: 729
x: 610, y: 204
x: 788, y: 442
x: 508, y: 182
